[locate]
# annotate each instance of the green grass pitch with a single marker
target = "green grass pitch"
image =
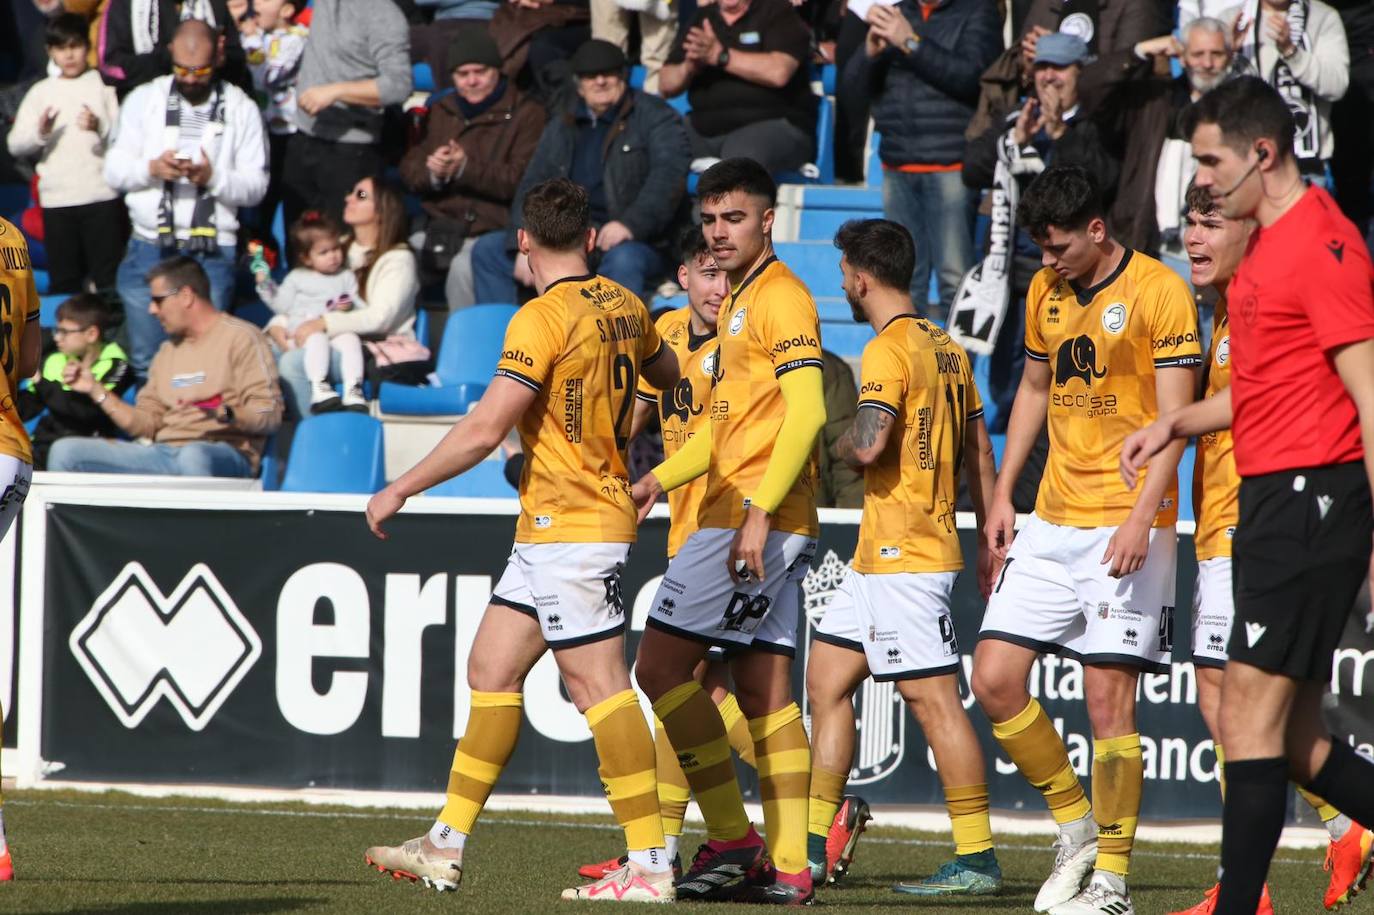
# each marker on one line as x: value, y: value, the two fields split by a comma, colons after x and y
x: 116, y: 853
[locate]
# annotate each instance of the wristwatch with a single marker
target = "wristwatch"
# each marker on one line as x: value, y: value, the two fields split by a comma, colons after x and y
x: 910, y: 45
x: 723, y: 58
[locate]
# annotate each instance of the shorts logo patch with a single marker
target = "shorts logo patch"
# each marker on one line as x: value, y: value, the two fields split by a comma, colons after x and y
x: 1216, y: 642
x: 744, y: 612
x: 950, y: 643
x: 889, y: 552
x: 1130, y: 637
x: 1253, y: 633
x: 1166, y: 629
x: 554, y: 623
x: 614, y: 598
x: 541, y: 522
x: 894, y: 656
x: 1104, y: 609
x: 665, y: 606
x: 872, y: 633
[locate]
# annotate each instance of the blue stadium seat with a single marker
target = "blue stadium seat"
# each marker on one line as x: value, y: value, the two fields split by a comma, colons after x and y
x: 269, y: 470
x: 336, y: 452
x: 1185, y: 482
x: 829, y: 76
x: 845, y: 338
x: 825, y: 149
x: 817, y: 263
x: 40, y: 281
x: 680, y: 104
x: 833, y: 308
x: 422, y: 325
x: 421, y: 77
x: 821, y: 225
x: 637, y: 75
x: 38, y: 255
x: 875, y: 164
x: 14, y: 199
x: 254, y: 311
x: 485, y: 481
x: 467, y: 358
x: 47, y: 309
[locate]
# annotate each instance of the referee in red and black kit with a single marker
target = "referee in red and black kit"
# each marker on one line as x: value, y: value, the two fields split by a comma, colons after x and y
x: 1301, y: 411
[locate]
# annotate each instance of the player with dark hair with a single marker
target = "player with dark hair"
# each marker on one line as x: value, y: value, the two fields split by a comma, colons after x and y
x: 736, y: 582
x: 1300, y: 407
x: 919, y: 420
x: 567, y: 376
x: 1111, y: 342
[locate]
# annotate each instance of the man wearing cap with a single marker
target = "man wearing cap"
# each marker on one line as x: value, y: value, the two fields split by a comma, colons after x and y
x: 743, y: 65
x: 921, y: 63
x: 629, y: 150
x: 1049, y: 127
x: 465, y: 169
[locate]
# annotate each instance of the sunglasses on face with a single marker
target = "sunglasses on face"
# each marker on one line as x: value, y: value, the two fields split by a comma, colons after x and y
x: 159, y: 299
x: 179, y: 70
x: 360, y: 193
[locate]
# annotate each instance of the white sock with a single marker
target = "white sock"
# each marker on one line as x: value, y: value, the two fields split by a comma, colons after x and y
x: 1115, y: 881
x: 670, y: 845
x: 654, y: 860
x: 1081, y: 832
x: 445, y: 836
x: 1338, y: 826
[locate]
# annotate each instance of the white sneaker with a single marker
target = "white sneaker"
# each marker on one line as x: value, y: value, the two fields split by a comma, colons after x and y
x: 1072, y: 864
x: 1099, y: 897
x: 627, y: 883
x: 322, y: 397
x: 418, y: 859
x: 353, y: 399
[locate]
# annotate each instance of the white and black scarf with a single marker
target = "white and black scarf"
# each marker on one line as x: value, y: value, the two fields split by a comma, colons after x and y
x: 204, y: 237
x: 144, y: 20
x: 1307, y: 140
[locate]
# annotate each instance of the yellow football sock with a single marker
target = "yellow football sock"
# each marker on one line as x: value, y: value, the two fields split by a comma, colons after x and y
x: 673, y: 791
x: 697, y: 733
x: 1324, y: 810
x: 737, y: 729
x: 969, y: 818
x: 1118, y: 779
x: 1221, y: 770
x: 626, y: 752
x: 827, y: 791
x: 784, y: 761
x: 1033, y: 744
x: 488, y: 742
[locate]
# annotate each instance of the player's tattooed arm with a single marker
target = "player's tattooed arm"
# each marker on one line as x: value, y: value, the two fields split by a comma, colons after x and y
x: 866, y: 439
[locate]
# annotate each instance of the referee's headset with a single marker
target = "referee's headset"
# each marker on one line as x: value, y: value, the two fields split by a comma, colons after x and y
x: 1260, y: 155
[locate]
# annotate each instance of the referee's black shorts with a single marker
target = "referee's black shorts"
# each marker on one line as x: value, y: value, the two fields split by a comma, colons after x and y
x: 1300, y: 555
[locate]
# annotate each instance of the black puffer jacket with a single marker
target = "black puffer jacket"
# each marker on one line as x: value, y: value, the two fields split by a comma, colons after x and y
x: 922, y: 101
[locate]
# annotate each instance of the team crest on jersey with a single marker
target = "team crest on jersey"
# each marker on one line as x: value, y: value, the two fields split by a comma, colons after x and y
x: 602, y: 297
x: 1223, y: 350
x: 1114, y: 318
x: 737, y: 322
x: 878, y: 707
x: 1079, y: 25
x: 708, y: 363
x: 543, y: 522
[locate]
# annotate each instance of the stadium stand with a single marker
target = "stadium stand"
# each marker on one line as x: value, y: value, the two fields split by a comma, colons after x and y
x: 485, y: 481
x: 467, y: 359
x: 336, y: 452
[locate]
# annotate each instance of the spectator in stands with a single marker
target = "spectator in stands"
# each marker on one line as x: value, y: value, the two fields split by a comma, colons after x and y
x: 657, y: 19
x: 1352, y: 118
x: 83, y: 321
x: 66, y: 120
x: 274, y: 45
x: 386, y: 273
x: 629, y: 151
x: 138, y: 34
x: 211, y: 399
x: 1050, y: 127
x: 430, y: 41
x: 841, y: 486
x: 467, y: 166
x: 921, y: 64
x: 537, y: 39
x: 356, y: 62
x: 1299, y: 47
x: 189, y: 151
x: 744, y: 67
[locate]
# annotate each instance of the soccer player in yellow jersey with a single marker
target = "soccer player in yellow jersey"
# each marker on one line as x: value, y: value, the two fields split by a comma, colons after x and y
x: 20, y: 349
x: 919, y: 420
x: 736, y: 582
x: 690, y: 332
x: 1215, y: 246
x: 570, y: 365
x: 1111, y: 343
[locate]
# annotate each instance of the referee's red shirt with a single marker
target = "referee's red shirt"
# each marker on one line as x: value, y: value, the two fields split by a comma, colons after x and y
x: 1304, y: 288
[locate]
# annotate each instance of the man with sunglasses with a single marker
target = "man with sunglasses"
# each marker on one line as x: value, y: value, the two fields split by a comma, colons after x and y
x: 189, y: 151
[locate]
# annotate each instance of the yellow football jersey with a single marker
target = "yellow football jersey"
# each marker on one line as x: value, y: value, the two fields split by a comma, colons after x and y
x: 768, y: 327
x: 581, y: 345
x: 682, y: 410
x: 913, y: 371
x: 18, y: 316
x: 1216, y: 484
x: 1103, y: 345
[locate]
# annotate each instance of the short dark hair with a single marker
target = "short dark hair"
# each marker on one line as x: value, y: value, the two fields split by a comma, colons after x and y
x: 1065, y: 196
x: 880, y: 248
x: 557, y: 214
x: 737, y: 174
x: 67, y: 29
x: 182, y: 271
x: 1246, y: 109
x: 691, y: 245
x: 1199, y: 200
x: 88, y: 310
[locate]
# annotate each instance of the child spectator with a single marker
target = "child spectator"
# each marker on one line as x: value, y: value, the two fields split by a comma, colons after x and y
x: 321, y: 283
x: 82, y: 322
x: 274, y: 44
x: 65, y: 121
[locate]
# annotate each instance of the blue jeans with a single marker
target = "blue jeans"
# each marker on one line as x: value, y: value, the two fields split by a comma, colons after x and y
x: 938, y: 211
x: 632, y: 264
x: 145, y: 333
x: 194, y: 459
x: 295, y: 384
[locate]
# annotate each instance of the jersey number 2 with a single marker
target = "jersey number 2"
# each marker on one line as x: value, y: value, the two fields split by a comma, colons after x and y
x: 623, y: 370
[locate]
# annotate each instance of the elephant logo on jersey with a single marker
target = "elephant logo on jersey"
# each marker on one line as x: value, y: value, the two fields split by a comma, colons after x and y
x: 679, y: 402
x: 1077, y: 358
